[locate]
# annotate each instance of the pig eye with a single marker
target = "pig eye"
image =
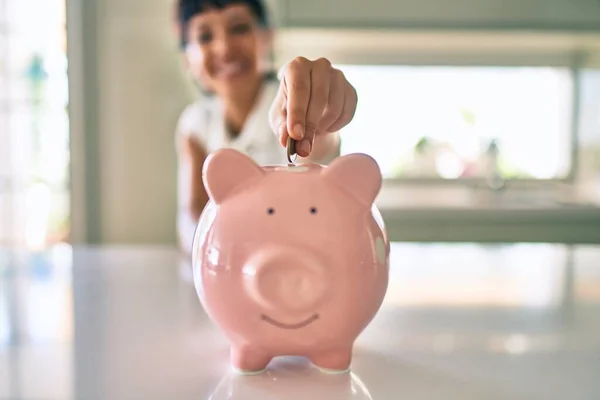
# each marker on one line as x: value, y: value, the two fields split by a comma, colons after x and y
x: 313, y: 210
x: 270, y: 210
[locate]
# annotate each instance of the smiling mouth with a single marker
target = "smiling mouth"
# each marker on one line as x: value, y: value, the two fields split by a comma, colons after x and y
x: 230, y: 69
x: 281, y: 325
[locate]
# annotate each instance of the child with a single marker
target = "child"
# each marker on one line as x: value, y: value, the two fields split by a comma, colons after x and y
x: 226, y: 46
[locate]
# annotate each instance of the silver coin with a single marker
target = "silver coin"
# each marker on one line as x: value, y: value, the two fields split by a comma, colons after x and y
x: 291, y: 150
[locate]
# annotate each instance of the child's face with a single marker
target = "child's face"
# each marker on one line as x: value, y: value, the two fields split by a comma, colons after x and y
x: 225, y: 48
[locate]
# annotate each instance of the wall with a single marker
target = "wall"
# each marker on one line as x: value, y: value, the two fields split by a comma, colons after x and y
x: 435, y: 14
x: 127, y: 91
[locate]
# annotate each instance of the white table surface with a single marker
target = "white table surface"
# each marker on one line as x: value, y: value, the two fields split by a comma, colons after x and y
x: 460, y: 321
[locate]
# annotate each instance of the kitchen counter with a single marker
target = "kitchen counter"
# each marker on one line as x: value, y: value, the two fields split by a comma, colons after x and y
x: 460, y: 321
x: 456, y: 213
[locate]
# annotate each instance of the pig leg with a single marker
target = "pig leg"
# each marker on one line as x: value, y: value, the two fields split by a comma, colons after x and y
x: 249, y: 360
x: 334, y: 361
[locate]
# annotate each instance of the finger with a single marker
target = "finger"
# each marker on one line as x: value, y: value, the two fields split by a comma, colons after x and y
x: 278, y: 117
x: 297, y: 85
x: 350, y: 103
x: 335, y: 104
x: 281, y: 128
x: 319, y: 95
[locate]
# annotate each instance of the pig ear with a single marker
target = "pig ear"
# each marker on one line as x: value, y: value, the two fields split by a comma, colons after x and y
x: 359, y: 174
x: 226, y: 171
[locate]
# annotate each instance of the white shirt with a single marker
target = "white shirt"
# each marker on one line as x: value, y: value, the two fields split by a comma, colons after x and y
x: 204, y: 121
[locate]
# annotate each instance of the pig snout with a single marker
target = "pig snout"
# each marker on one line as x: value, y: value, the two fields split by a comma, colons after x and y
x: 286, y: 280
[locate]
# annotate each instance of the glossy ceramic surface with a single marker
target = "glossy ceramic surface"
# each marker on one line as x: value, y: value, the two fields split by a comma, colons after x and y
x: 291, y: 260
x: 459, y: 322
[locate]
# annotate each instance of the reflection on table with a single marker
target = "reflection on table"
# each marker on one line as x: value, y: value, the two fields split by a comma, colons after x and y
x: 460, y: 321
x: 291, y: 378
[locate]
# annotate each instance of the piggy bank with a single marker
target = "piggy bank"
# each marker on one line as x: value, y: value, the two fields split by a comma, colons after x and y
x: 291, y: 260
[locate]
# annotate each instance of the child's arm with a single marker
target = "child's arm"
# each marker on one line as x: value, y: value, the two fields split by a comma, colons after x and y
x: 192, y: 196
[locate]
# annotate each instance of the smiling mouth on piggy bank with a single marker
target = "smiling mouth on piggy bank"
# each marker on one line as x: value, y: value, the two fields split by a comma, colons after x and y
x: 281, y: 325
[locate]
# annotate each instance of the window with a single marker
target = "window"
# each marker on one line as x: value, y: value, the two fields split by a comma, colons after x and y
x: 34, y: 125
x: 589, y: 127
x: 452, y: 122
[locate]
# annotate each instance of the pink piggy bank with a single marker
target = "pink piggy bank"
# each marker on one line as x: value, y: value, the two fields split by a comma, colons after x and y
x: 291, y: 260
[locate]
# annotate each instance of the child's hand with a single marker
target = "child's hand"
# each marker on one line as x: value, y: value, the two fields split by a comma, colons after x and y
x: 314, y: 98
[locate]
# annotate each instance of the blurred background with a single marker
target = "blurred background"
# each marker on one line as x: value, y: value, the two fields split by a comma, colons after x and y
x: 483, y: 114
